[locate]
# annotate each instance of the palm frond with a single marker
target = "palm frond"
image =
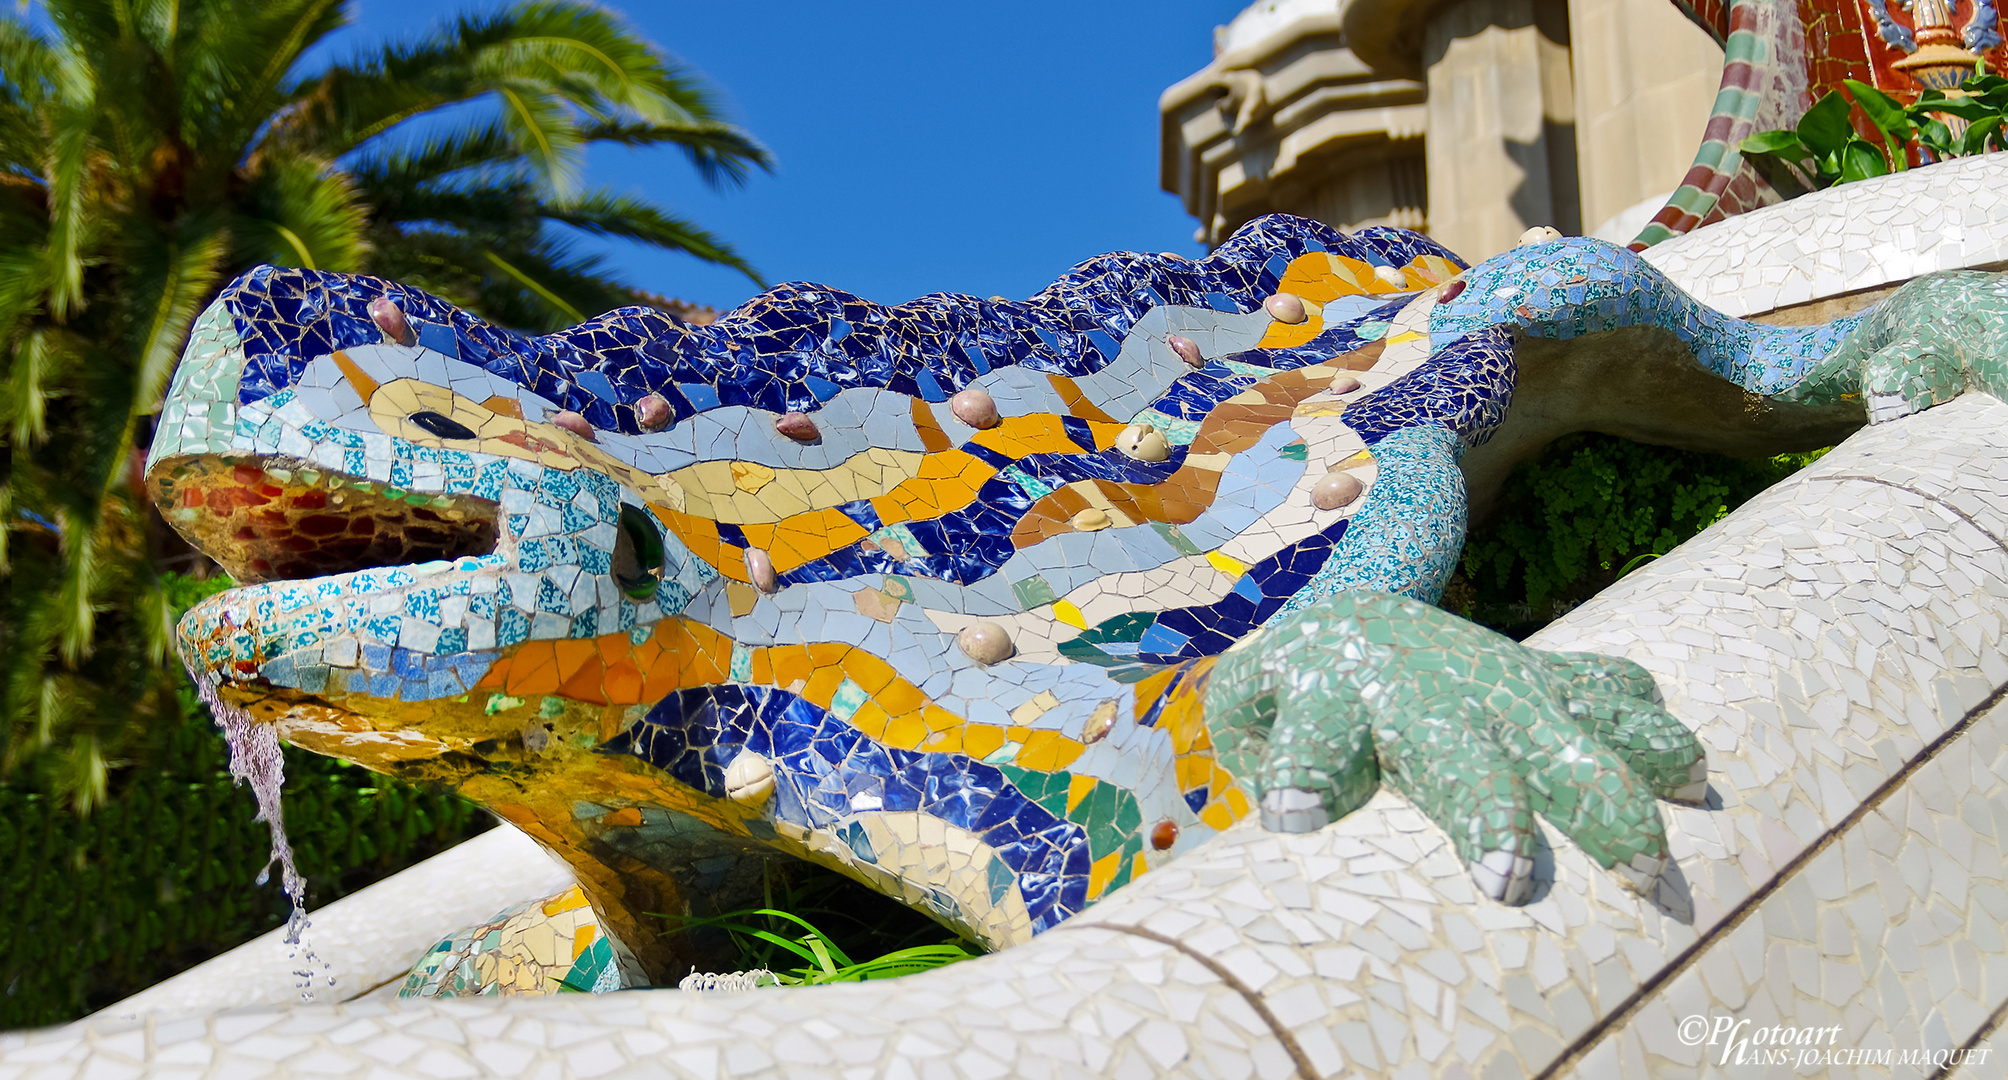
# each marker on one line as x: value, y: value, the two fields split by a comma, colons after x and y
x: 176, y: 281
x: 721, y: 152
x: 437, y: 159
x: 69, y: 199
x: 604, y: 213
x: 27, y: 403
x: 558, y: 74
x: 303, y: 213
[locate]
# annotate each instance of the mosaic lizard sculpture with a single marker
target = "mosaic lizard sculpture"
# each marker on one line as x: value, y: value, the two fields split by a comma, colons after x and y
x: 991, y: 605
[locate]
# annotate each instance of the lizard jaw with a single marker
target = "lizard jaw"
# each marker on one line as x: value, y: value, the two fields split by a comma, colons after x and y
x: 270, y: 519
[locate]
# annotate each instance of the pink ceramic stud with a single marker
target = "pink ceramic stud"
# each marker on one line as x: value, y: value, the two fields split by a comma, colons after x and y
x: 574, y: 423
x: 390, y: 319
x: 653, y: 412
x: 797, y: 426
x: 975, y: 407
x: 1335, y: 490
x: 1285, y: 308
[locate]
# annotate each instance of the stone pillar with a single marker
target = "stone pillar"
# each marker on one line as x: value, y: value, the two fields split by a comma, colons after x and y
x: 1502, y: 130
x: 1645, y: 78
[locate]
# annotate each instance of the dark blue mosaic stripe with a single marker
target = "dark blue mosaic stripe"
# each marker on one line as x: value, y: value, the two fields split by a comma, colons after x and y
x: 1263, y: 589
x: 821, y: 763
x: 1465, y: 386
x: 796, y: 345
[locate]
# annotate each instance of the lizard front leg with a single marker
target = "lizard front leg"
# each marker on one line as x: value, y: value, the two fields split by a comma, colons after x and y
x: 1480, y: 732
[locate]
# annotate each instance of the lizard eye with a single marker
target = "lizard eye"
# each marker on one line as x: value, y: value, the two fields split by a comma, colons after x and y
x: 637, y: 561
x: 443, y: 426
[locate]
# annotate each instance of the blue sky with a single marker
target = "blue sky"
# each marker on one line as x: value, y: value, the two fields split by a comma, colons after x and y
x: 921, y: 147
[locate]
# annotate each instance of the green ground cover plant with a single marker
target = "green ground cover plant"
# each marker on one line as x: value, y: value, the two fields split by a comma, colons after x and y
x: 1588, y: 510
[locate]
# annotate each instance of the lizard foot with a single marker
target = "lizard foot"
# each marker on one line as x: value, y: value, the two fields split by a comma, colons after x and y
x: 1932, y: 340
x: 1479, y: 732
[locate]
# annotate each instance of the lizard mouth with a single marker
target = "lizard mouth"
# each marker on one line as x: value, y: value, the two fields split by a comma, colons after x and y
x: 270, y: 519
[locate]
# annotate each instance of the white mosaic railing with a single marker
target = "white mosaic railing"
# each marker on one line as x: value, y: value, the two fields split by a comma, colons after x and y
x: 368, y: 939
x: 1835, y: 642
x: 1846, y: 238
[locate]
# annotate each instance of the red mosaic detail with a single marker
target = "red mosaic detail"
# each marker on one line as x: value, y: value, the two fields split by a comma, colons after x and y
x: 1837, y: 36
x: 1710, y: 15
x: 1842, y: 43
x: 262, y: 527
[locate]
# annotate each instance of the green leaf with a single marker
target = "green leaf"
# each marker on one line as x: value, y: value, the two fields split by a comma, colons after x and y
x: 1964, y: 108
x: 1887, y: 115
x: 1933, y: 135
x: 1782, y: 142
x: 1861, y: 159
x: 1781, y: 159
x: 1985, y: 86
x: 1825, y: 128
x: 1975, y: 139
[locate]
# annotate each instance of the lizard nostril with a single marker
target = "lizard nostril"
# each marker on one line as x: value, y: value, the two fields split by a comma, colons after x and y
x: 441, y: 425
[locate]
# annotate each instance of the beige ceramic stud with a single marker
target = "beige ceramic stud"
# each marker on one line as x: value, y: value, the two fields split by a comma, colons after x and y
x: 1187, y: 350
x: 749, y: 780
x: 797, y: 426
x: 1091, y: 520
x: 390, y: 319
x: 1335, y: 490
x: 1343, y: 384
x: 1143, y: 442
x: 1285, y: 308
x: 760, y: 568
x: 653, y: 412
x: 574, y: 423
x: 1100, y: 724
x: 985, y: 643
x: 1392, y: 275
x: 974, y: 406
x: 1540, y: 234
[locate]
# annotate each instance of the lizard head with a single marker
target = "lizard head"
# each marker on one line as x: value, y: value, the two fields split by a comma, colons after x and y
x: 370, y: 487
x: 407, y: 498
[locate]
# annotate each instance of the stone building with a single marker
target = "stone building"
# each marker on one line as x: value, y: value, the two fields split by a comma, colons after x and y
x: 1469, y: 119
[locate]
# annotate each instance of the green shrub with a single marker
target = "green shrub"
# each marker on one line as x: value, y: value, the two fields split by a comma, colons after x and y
x: 160, y: 877
x: 1585, y: 512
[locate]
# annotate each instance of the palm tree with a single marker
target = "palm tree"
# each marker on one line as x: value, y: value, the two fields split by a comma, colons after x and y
x: 152, y: 149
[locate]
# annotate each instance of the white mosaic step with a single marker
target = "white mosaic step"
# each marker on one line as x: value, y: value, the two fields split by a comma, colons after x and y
x: 1836, y: 643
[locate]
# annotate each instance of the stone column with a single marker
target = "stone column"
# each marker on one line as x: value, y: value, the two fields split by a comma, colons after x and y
x: 1502, y: 129
x: 1645, y: 79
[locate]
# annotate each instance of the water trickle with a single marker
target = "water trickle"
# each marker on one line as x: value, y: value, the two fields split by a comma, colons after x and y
x: 255, y: 760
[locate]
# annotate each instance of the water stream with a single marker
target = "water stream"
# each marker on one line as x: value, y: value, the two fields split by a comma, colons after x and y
x: 255, y: 759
